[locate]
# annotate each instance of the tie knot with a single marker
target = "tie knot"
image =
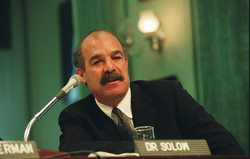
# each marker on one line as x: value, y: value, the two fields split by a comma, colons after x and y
x: 117, y: 111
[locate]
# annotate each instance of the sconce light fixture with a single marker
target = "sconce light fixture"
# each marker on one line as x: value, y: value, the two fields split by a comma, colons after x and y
x: 149, y: 24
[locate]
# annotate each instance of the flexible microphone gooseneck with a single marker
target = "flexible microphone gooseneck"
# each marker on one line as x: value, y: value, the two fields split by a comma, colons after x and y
x: 74, y: 81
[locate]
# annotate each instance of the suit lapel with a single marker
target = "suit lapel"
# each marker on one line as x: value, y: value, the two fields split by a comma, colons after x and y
x: 142, y: 107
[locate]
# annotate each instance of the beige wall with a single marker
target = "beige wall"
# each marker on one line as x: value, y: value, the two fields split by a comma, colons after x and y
x: 45, y: 68
x: 31, y: 73
x: 13, y: 86
x: 177, y: 55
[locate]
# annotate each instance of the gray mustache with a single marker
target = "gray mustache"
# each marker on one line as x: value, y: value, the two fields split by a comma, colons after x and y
x: 111, y: 76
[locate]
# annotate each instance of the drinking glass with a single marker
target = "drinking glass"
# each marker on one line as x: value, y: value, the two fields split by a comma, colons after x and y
x: 143, y: 133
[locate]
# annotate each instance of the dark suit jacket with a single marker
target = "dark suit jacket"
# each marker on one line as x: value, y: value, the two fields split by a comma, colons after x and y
x: 162, y: 104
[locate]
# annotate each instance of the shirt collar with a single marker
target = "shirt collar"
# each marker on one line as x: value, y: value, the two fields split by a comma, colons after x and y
x: 124, y: 106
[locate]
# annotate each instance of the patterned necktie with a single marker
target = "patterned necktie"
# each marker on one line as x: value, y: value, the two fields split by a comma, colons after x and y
x: 123, y: 125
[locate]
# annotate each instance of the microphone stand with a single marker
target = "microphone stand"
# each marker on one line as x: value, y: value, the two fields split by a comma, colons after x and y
x: 74, y: 81
x: 40, y: 114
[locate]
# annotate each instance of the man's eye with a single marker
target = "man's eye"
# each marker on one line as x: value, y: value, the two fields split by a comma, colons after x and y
x: 96, y: 62
x: 117, y: 57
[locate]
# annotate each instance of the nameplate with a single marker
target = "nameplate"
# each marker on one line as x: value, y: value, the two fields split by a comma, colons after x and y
x: 18, y: 149
x: 172, y: 147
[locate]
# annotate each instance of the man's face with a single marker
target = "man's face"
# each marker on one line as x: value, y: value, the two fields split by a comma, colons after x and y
x: 103, y: 55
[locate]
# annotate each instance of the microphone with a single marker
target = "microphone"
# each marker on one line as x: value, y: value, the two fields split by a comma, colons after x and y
x: 73, y: 82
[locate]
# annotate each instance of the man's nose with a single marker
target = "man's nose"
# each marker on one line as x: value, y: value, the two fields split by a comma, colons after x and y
x: 109, y: 66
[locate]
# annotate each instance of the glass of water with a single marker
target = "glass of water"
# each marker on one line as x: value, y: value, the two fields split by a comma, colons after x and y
x: 143, y: 133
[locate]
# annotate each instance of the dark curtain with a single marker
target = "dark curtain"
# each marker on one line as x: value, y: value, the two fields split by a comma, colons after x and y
x: 221, y: 39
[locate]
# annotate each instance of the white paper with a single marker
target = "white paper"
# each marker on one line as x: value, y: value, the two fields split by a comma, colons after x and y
x: 107, y: 154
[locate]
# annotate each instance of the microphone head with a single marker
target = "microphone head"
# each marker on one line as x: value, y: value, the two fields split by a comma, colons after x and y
x: 74, y: 81
x: 77, y: 78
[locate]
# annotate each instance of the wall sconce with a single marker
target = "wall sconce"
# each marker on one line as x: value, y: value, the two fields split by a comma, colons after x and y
x: 149, y: 25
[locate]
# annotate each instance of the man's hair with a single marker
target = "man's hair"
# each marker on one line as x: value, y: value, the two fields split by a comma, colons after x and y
x: 78, y: 58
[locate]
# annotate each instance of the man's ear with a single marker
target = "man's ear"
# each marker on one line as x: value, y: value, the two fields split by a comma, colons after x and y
x: 80, y: 72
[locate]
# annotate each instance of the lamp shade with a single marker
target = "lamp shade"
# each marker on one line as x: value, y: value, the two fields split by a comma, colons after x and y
x: 148, y: 22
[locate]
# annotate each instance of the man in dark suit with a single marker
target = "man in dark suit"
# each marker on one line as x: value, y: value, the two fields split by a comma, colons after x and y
x: 89, y: 124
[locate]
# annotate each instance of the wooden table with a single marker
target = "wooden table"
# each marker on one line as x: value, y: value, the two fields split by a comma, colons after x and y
x: 46, y: 153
